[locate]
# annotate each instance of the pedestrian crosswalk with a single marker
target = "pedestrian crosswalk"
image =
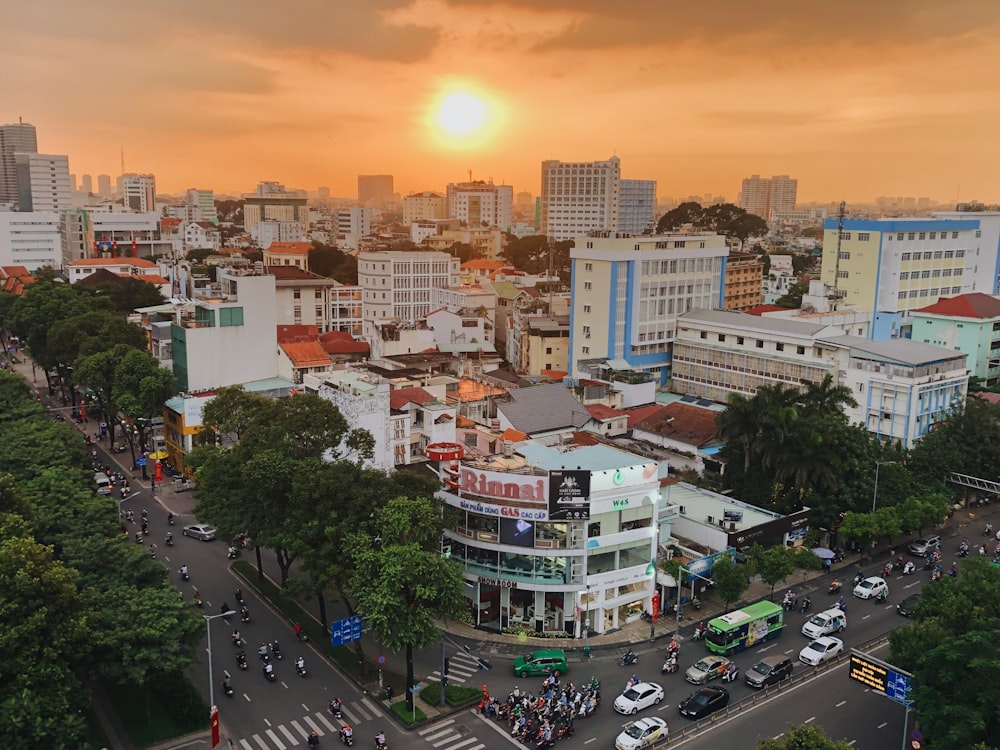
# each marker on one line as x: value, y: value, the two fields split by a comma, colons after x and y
x: 461, y: 667
x: 447, y: 735
x: 294, y: 733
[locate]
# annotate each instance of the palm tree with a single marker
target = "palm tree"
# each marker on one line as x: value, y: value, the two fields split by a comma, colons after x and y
x: 739, y: 423
x: 826, y: 397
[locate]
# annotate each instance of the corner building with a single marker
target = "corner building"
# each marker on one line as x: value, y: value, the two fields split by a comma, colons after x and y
x: 551, y: 538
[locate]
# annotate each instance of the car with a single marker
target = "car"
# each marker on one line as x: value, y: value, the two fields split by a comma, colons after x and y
x: 707, y: 669
x: 641, y: 733
x: 199, y: 531
x: 638, y: 697
x: 870, y: 587
x: 906, y: 607
x: 924, y: 545
x: 542, y: 662
x: 822, y: 623
x: 769, y: 671
x: 821, y: 650
x: 704, y: 701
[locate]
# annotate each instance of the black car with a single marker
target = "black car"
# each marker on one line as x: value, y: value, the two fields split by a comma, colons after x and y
x: 906, y: 607
x: 704, y: 701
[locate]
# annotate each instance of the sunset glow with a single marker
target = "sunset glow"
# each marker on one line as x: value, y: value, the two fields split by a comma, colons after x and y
x: 461, y: 113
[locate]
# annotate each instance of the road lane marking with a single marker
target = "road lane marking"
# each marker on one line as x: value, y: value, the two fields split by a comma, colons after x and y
x: 457, y: 745
x: 274, y: 738
x: 247, y: 697
x: 315, y: 727
x: 910, y: 585
x: 436, y: 727
x: 319, y: 715
x: 592, y: 739
x: 866, y: 617
x: 304, y: 706
x: 267, y: 721
x: 789, y: 650
x: 809, y: 720
x: 298, y: 728
x: 263, y: 745
x: 372, y: 707
x: 883, y: 724
x: 852, y: 743
x: 289, y: 735
x: 284, y: 685
x: 766, y: 648
x: 841, y: 704
x: 438, y: 734
x: 778, y: 736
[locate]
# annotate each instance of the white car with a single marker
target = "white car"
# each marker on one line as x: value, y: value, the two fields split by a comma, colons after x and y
x: 638, y: 697
x: 871, y: 587
x: 821, y: 650
x: 199, y: 531
x: 641, y: 733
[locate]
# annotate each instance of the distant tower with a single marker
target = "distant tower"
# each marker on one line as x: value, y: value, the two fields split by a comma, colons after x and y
x: 18, y: 137
x: 139, y: 192
x: 375, y: 188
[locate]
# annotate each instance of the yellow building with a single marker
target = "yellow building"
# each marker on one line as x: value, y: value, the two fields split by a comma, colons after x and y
x: 744, y: 282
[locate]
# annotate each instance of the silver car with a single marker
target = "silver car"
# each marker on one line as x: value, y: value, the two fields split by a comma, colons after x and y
x: 200, y: 531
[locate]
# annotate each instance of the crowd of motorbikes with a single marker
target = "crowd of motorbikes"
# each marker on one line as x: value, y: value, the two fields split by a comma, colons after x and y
x: 542, y: 718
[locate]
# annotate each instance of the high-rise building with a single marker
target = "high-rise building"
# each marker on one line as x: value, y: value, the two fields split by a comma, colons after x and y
x: 104, y: 185
x: 427, y: 205
x: 375, y: 188
x: 202, y: 205
x: 272, y: 201
x: 626, y: 294
x: 30, y: 239
x: 766, y: 196
x: 43, y: 182
x: 481, y: 204
x: 139, y: 192
x: 86, y: 184
x: 15, y: 138
x: 271, y: 231
x: 579, y: 197
x: 637, y: 207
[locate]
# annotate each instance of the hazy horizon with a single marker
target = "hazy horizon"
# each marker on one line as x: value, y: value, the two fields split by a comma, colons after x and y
x: 855, y: 100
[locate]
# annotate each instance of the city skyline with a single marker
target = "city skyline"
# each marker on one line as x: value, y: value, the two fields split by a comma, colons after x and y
x: 855, y: 101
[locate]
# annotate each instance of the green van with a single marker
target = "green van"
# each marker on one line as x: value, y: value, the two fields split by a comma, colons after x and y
x: 542, y: 662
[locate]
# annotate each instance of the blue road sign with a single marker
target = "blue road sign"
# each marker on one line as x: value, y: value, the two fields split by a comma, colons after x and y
x: 140, y: 461
x: 345, y: 631
x: 897, y: 687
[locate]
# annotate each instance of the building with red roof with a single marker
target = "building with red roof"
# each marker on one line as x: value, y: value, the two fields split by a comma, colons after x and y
x: 968, y: 323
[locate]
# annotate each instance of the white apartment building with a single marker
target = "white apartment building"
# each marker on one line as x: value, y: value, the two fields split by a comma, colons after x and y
x: 202, y: 235
x: 579, y: 197
x: 139, y: 192
x: 272, y: 201
x: 481, y: 204
x: 767, y: 196
x: 426, y: 205
x: 626, y: 294
x: 903, y: 387
x: 351, y: 224
x: 30, y: 239
x: 43, y: 182
x: 271, y: 231
x: 202, y: 205
x: 465, y: 299
x: 637, y: 207
x: 229, y: 339
x: 396, y: 286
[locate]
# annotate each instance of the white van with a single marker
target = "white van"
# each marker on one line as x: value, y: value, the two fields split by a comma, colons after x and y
x: 103, y: 483
x: 824, y: 623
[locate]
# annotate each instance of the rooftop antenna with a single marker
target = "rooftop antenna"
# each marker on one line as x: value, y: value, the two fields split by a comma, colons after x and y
x: 470, y: 175
x: 837, y: 295
x: 123, y: 160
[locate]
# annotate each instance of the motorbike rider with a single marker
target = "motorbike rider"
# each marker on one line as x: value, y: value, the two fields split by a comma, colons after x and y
x: 227, y: 684
x: 346, y: 732
x: 170, y: 518
x: 842, y: 603
x: 244, y: 614
x: 300, y: 664
x: 262, y: 651
x: 336, y: 705
x: 380, y: 738
x: 269, y: 669
x: 806, y: 603
x: 699, y: 632
x: 237, y: 639
x: 184, y: 571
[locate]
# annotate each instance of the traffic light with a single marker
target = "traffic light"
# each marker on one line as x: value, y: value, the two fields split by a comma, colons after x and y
x: 447, y: 664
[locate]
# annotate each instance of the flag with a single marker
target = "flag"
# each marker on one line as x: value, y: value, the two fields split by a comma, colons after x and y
x: 97, y: 250
x: 135, y: 252
x: 114, y: 248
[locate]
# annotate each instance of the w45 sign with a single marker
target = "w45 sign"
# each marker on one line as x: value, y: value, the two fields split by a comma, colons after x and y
x: 345, y: 631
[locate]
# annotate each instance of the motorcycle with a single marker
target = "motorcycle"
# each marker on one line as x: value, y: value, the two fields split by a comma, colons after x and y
x: 669, y: 666
x: 301, y: 637
x: 731, y: 673
x: 238, y: 641
x: 806, y: 605
x: 908, y: 568
x: 629, y: 658
x: 227, y: 688
x: 241, y: 660
x: 233, y: 553
x: 275, y: 649
x: 347, y: 739
x: 381, y: 745
x: 336, y: 710
x: 301, y: 670
x: 834, y: 587
x: 271, y: 676
x: 169, y: 540
x: 170, y: 519
x: 245, y: 614
x: 185, y: 576
x: 699, y: 632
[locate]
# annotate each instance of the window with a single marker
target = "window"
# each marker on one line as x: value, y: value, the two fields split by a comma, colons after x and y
x: 925, y: 274
x: 842, y: 274
x: 548, y: 350
x: 586, y: 308
x: 979, y: 233
x: 760, y: 344
x: 739, y: 340
x: 902, y: 295
x: 585, y: 349
x: 954, y: 235
x: 230, y: 316
x: 956, y: 290
x: 864, y: 236
x: 934, y: 293
x: 923, y: 235
x: 911, y: 235
x: 779, y: 347
x: 722, y: 337
x: 904, y: 256
x: 899, y: 235
x: 704, y: 334
x: 586, y: 331
x: 845, y: 235
x: 588, y: 266
x: 937, y: 255
x: 297, y: 294
x: 904, y: 275
x: 844, y: 255
x: 800, y: 350
x: 587, y: 286
x: 960, y: 253
x: 933, y: 235
x: 949, y: 254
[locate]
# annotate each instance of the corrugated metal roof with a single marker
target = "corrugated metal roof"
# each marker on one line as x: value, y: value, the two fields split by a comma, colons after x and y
x: 544, y: 408
x: 898, y: 351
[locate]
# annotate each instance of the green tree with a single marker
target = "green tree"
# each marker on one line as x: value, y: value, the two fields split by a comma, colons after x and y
x: 140, y: 389
x: 98, y: 372
x: 952, y: 647
x: 689, y: 212
x: 773, y: 565
x: 730, y: 579
x: 126, y: 294
x: 803, y: 737
x: 402, y: 584
x: 793, y: 299
x: 231, y: 411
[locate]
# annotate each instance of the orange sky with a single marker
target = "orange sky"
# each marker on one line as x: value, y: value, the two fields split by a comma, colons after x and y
x: 855, y: 98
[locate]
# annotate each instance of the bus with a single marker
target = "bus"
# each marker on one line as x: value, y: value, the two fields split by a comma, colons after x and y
x: 744, y: 628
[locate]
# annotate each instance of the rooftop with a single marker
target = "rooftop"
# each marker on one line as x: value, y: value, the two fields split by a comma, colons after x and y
x: 973, y: 305
x: 904, y: 352
x: 289, y: 248
x: 305, y: 353
x: 89, y: 262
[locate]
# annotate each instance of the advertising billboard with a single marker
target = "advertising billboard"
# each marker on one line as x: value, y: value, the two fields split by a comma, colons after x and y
x: 517, y: 531
x: 569, y: 495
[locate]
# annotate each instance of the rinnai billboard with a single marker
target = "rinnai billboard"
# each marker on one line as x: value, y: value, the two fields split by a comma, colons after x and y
x: 501, y: 485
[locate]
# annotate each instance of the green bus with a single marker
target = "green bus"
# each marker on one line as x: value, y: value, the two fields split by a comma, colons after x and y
x: 745, y: 627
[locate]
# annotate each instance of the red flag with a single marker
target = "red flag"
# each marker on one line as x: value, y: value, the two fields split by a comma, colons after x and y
x: 83, y: 413
x: 135, y: 253
x: 97, y: 250
x: 215, y: 726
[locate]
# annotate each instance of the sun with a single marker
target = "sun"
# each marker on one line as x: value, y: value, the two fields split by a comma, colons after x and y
x: 461, y: 113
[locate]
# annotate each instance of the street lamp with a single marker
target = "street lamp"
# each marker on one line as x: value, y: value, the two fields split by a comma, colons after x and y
x: 208, y: 632
x: 875, y: 493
